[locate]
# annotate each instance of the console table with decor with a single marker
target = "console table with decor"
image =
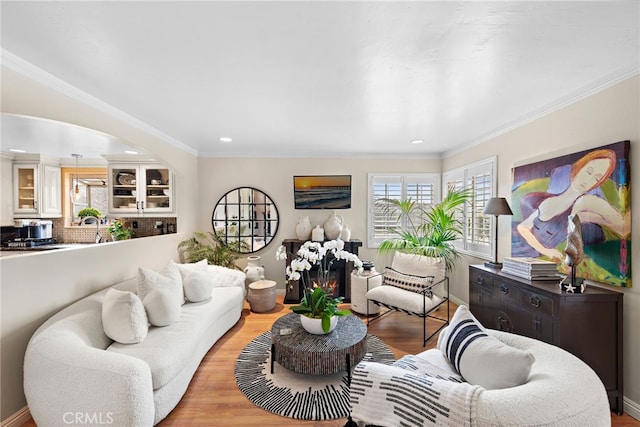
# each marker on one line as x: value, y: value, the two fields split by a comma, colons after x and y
x: 588, y: 325
x: 341, y: 269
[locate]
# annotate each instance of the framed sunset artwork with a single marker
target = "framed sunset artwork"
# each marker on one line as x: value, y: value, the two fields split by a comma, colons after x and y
x: 593, y: 184
x: 322, y: 191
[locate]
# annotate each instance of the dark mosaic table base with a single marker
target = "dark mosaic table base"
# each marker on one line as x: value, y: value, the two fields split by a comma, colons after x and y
x: 310, y: 354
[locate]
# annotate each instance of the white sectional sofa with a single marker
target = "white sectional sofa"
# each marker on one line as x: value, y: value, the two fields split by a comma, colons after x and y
x: 74, y: 373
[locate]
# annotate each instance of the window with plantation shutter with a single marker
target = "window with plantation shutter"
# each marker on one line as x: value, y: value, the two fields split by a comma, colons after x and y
x: 480, y: 177
x: 421, y: 188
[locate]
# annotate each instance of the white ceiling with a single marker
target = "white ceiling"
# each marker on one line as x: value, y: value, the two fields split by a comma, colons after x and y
x: 54, y: 138
x: 325, y: 78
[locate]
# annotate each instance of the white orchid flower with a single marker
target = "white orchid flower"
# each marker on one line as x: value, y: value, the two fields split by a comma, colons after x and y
x: 294, y: 276
x: 281, y: 253
x: 297, y: 265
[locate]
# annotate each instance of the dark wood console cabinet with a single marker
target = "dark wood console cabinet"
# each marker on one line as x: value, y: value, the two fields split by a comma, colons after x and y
x: 588, y: 325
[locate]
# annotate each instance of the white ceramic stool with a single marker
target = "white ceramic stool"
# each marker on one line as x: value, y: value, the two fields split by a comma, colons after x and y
x: 262, y: 296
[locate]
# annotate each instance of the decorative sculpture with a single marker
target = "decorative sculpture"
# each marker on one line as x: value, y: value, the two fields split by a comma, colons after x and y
x: 574, y: 252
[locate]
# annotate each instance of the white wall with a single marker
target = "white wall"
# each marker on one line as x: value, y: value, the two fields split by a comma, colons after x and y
x: 274, y: 176
x: 609, y: 116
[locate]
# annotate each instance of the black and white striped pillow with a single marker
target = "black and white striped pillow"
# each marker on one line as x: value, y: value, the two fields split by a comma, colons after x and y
x: 480, y: 358
x: 407, y: 282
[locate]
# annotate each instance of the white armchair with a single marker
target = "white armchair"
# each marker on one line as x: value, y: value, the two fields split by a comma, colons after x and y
x: 480, y: 377
x: 414, y: 285
x: 560, y: 390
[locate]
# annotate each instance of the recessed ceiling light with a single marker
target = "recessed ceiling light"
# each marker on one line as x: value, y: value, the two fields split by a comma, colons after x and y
x: 417, y: 141
x: 131, y: 152
x: 16, y: 150
x: 225, y: 139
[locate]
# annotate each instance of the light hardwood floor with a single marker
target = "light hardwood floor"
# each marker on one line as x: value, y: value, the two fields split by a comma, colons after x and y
x: 214, y: 400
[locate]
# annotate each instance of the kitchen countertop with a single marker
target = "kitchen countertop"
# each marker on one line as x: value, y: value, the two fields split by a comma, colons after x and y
x: 4, y: 251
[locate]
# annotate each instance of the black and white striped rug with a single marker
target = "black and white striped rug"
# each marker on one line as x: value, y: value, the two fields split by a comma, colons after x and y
x: 286, y: 393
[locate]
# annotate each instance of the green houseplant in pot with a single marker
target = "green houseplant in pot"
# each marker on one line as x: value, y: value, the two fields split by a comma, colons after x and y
x: 205, y: 245
x: 89, y: 212
x: 318, y: 310
x: 119, y: 231
x: 426, y: 230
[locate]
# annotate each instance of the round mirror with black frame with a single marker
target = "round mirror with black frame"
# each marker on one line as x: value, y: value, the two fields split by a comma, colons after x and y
x: 245, y: 219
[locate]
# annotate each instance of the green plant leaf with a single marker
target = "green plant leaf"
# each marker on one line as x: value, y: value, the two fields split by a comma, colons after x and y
x: 326, y: 323
x: 429, y: 231
x: 205, y: 245
x: 300, y: 309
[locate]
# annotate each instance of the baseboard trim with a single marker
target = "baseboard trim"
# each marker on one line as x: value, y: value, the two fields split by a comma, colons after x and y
x: 631, y: 408
x: 17, y: 419
x: 458, y: 301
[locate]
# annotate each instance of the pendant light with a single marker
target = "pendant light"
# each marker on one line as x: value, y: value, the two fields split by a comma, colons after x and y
x: 75, y: 192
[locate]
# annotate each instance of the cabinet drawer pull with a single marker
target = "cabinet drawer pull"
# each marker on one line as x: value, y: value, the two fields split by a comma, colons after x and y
x: 503, y: 323
x: 504, y: 289
x: 480, y: 280
x: 534, y: 301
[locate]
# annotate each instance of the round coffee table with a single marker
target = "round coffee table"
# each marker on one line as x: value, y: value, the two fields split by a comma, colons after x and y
x: 305, y: 353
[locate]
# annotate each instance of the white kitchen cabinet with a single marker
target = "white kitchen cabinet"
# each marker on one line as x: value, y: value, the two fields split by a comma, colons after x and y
x: 37, y: 190
x: 136, y: 189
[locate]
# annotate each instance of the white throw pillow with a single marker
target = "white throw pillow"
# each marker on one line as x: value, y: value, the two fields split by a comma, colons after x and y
x: 169, y: 278
x: 162, y: 307
x: 185, y: 269
x: 419, y: 265
x: 198, y: 286
x: 123, y: 317
x: 480, y: 358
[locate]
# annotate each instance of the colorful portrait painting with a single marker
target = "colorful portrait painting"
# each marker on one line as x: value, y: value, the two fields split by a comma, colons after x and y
x: 592, y: 184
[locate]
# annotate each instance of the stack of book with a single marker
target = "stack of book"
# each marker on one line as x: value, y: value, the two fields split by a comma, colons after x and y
x: 530, y: 268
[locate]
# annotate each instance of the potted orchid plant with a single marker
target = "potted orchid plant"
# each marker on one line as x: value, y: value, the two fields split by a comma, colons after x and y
x: 316, y: 302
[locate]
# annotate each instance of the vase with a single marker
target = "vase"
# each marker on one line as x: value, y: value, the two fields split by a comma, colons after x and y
x: 314, y: 326
x: 346, y: 233
x: 333, y: 227
x: 254, y: 271
x: 303, y: 228
x: 317, y: 235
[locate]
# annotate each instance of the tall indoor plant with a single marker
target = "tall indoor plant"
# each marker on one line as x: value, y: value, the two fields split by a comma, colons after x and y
x: 316, y: 303
x: 205, y: 245
x: 427, y: 230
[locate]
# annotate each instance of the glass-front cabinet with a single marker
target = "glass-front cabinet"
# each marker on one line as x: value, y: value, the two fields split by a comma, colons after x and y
x: 25, y: 177
x: 37, y: 190
x: 137, y: 189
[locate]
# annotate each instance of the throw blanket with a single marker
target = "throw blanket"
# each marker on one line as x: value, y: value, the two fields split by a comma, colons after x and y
x: 411, y: 392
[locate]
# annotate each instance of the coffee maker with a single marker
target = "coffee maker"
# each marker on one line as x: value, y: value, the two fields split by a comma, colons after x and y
x: 32, y: 232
